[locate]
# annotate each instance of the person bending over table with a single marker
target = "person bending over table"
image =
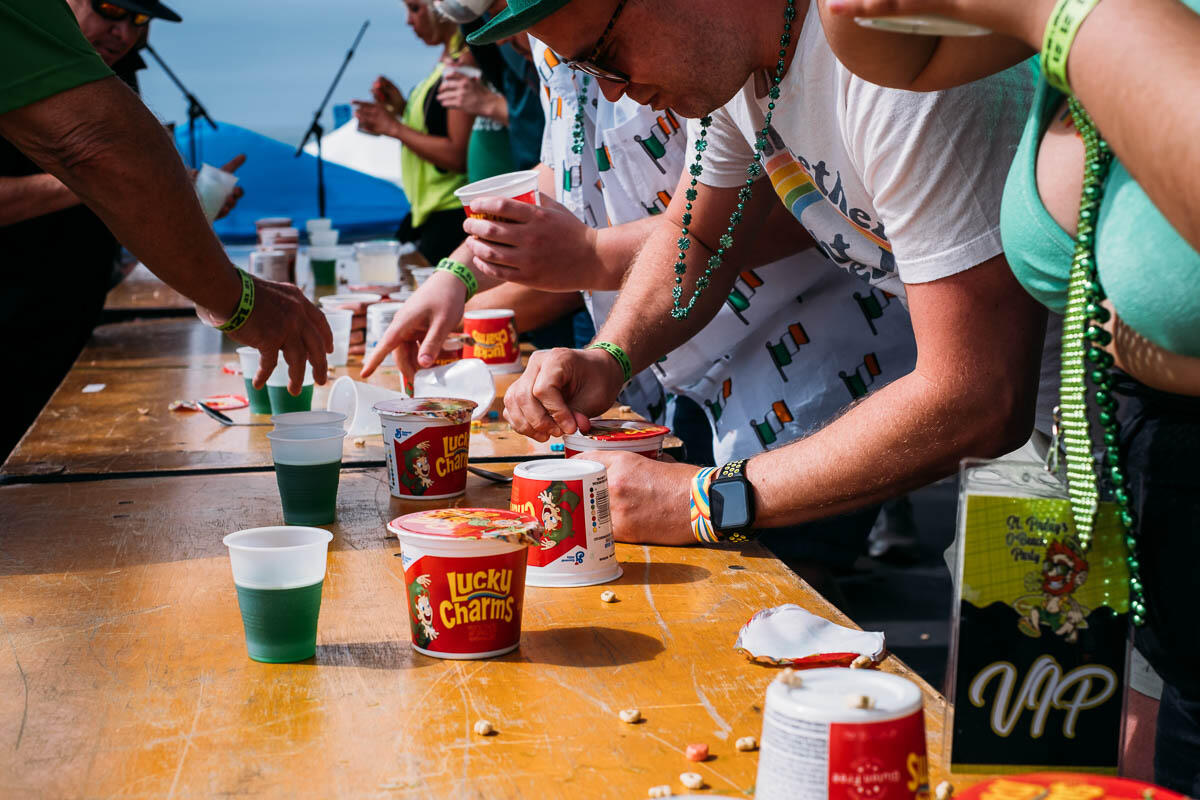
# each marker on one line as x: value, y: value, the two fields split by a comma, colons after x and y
x: 63, y: 109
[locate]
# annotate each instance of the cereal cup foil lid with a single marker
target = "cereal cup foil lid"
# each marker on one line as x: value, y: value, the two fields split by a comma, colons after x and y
x: 470, y: 523
x: 447, y: 408
x: 624, y: 430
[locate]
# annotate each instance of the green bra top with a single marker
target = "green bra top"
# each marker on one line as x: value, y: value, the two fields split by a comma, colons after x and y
x: 1148, y: 271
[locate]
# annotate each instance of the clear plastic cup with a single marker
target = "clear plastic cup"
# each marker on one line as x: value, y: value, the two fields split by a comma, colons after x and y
x: 277, y: 388
x: 308, y: 464
x: 331, y: 301
x: 324, y: 238
x: 279, y: 573
x: 379, y: 317
x: 378, y: 261
x: 520, y: 186
x: 357, y: 401
x: 214, y: 187
x: 322, y: 259
x: 308, y: 419
x: 317, y: 224
x: 340, y: 320
x: 260, y: 399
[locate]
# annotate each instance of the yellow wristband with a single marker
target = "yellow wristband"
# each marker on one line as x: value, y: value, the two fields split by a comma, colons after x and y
x: 245, y: 305
x: 1061, y: 29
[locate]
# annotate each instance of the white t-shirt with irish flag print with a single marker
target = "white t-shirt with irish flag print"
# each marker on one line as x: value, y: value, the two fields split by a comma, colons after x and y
x: 896, y: 187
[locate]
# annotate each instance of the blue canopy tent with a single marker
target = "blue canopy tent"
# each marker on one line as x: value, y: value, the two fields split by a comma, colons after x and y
x: 279, y: 185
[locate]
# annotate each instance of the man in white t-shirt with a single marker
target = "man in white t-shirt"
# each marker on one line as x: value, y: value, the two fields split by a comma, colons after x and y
x: 901, y: 189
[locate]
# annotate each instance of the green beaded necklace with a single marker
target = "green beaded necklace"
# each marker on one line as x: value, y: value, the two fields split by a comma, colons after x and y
x: 577, y: 136
x: 684, y: 242
x: 1084, y: 338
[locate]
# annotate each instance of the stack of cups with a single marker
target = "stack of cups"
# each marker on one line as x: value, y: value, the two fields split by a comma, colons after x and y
x: 277, y: 389
x: 260, y: 399
x: 279, y: 573
x: 308, y: 463
x: 286, y: 240
x: 378, y: 262
x: 271, y: 265
x: 340, y: 320
x: 317, y: 224
x: 357, y: 303
x: 379, y: 317
x: 322, y: 256
x: 214, y: 187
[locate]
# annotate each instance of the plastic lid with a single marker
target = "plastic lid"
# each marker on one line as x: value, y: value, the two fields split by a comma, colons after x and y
x: 623, y: 430
x: 448, y: 408
x: 470, y: 523
x: 820, y: 695
x: 489, y: 313
x: 558, y: 469
x: 349, y: 299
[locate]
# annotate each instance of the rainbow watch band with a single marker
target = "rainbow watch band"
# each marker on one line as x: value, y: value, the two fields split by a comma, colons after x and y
x: 1061, y: 29
x: 462, y: 272
x: 245, y: 305
x: 699, y: 510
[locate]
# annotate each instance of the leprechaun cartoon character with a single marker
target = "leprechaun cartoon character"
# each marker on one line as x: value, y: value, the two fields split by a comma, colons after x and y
x: 415, y: 475
x: 421, y: 611
x: 558, y: 503
x: 1064, y: 570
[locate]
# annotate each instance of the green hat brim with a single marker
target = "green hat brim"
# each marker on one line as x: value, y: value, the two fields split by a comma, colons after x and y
x: 510, y: 22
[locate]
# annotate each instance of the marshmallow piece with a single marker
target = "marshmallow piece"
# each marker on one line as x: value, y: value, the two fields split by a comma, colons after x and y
x: 691, y: 780
x: 630, y: 715
x: 746, y: 744
x: 484, y: 728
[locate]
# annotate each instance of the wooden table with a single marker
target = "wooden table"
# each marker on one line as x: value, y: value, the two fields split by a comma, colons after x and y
x: 123, y: 668
x: 143, y: 294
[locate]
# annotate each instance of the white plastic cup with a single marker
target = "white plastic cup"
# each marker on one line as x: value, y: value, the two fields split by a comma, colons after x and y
x: 317, y: 224
x: 421, y: 274
x: 378, y: 261
x: 279, y: 376
x: 356, y: 399
x: 259, y: 399
x: 284, y: 237
x: 466, y: 379
x: 309, y: 419
x: 281, y: 557
x: 308, y: 464
x: 214, y: 187
x: 304, y: 445
x: 324, y: 238
x: 339, y: 320
x: 332, y: 301
x: 520, y: 186
x: 283, y: 401
x: 379, y: 317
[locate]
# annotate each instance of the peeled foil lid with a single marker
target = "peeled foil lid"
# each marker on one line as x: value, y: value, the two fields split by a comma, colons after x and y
x: 447, y: 408
x: 465, y: 379
x: 471, y: 523
x: 788, y: 635
x: 623, y: 430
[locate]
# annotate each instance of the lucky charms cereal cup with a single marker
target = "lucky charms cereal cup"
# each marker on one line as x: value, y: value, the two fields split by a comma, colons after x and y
x: 493, y: 339
x: 464, y: 572
x: 520, y: 186
x: 569, y: 497
x: 644, y: 438
x: 425, y: 441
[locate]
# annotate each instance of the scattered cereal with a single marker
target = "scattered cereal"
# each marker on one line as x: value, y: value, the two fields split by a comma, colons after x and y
x: 692, y: 780
x: 859, y: 701
x: 696, y: 752
x: 360, y: 442
x: 660, y: 791
x: 484, y: 728
x: 862, y: 662
x: 944, y: 791
x: 144, y: 411
x: 608, y: 596
x: 790, y: 677
x: 746, y: 744
x: 630, y: 715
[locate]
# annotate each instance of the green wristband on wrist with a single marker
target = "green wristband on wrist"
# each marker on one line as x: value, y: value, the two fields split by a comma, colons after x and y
x: 617, y: 353
x: 245, y: 305
x: 1061, y: 28
x: 461, y: 272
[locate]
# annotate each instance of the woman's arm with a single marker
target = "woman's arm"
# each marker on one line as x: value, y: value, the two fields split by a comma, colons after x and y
x: 446, y: 152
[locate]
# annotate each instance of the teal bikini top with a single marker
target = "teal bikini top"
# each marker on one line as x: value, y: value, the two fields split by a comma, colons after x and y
x: 1148, y: 271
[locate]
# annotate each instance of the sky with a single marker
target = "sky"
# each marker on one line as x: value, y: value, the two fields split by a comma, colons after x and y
x: 265, y: 64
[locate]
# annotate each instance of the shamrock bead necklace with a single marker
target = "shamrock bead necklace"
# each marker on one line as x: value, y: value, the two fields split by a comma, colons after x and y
x: 684, y: 242
x: 1083, y: 339
x: 577, y: 135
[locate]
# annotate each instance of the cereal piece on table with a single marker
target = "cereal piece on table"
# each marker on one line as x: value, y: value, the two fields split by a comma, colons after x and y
x: 484, y: 728
x: 692, y: 780
x: 660, y: 791
x: 862, y: 662
x: 144, y: 411
x: 608, y: 596
x: 696, y: 752
x: 630, y: 715
x: 746, y: 744
x: 360, y: 442
x: 944, y: 791
x: 859, y: 701
x: 790, y: 677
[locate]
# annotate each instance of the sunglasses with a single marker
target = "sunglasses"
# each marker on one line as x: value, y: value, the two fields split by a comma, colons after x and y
x: 115, y: 13
x: 589, y: 66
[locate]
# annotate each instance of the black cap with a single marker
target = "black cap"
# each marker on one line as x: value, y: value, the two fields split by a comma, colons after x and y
x: 151, y: 8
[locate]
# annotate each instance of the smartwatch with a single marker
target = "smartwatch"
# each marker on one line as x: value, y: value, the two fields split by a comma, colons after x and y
x: 731, y: 502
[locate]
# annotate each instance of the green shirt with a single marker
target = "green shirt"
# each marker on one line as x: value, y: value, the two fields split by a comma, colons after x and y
x: 42, y: 52
x: 429, y: 188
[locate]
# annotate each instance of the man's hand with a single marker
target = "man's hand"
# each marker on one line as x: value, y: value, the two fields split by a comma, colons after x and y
x: 545, y: 246
x: 386, y: 94
x: 374, y: 118
x: 649, y: 499
x: 421, y: 326
x: 560, y: 390
x: 283, y: 319
x: 470, y: 96
x: 232, y: 200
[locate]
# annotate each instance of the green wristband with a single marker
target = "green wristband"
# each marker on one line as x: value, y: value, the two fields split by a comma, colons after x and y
x: 1061, y: 28
x: 617, y: 353
x: 245, y: 305
x: 461, y: 272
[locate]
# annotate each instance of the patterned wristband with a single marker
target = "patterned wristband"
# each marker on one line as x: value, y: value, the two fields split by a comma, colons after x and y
x: 617, y: 353
x: 461, y: 272
x: 1061, y: 28
x: 245, y: 305
x: 699, y: 510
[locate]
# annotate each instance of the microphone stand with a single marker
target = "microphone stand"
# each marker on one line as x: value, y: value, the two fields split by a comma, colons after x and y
x: 315, y: 128
x: 195, y: 110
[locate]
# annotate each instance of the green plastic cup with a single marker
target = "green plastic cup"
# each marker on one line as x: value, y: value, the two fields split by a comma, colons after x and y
x: 279, y: 573
x: 277, y: 389
x: 260, y: 399
x: 308, y: 466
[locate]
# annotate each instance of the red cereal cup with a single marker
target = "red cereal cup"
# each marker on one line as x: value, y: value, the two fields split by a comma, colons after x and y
x: 272, y: 222
x: 866, y: 728
x: 464, y: 571
x: 493, y: 335
x: 426, y: 440
x: 569, y: 497
x: 452, y: 350
x: 520, y: 186
x: 643, y: 438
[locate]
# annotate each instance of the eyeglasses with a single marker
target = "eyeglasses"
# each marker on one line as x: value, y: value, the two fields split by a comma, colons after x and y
x: 113, y: 12
x: 589, y: 66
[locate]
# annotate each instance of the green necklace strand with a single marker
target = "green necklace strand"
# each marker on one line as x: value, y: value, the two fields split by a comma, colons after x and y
x: 577, y: 135
x: 1083, y: 340
x: 684, y: 242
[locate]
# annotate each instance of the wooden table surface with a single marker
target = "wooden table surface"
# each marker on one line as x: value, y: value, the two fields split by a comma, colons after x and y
x: 143, y: 292
x: 123, y: 669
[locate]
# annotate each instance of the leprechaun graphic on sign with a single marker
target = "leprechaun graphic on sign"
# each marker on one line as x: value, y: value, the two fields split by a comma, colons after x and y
x: 1064, y: 570
x: 415, y: 475
x: 558, y: 503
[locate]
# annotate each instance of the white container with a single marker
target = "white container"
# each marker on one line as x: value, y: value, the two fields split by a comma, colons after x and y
x: 340, y: 321
x: 248, y: 358
x: 378, y: 261
x: 467, y: 379
x: 325, y: 238
x: 644, y: 438
x: 356, y: 400
x: 214, y: 187
x: 569, y: 497
x: 426, y: 442
x: 520, y: 186
x: 282, y: 557
x: 309, y: 419
x: 421, y: 274
x: 349, y: 300
x: 318, y: 224
x: 304, y: 446
x: 379, y: 317
x: 816, y: 737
